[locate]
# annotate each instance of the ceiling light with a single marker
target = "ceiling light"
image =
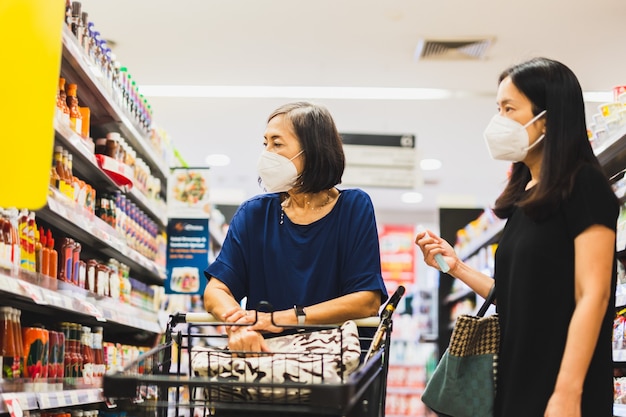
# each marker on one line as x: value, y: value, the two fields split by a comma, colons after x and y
x: 430, y: 164
x: 412, y: 197
x: 251, y: 91
x: 217, y: 160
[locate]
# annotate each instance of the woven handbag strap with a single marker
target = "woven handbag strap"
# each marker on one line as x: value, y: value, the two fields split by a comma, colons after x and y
x: 488, y: 301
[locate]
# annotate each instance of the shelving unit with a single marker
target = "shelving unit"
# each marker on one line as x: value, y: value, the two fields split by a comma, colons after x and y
x: 49, y: 400
x: 49, y: 301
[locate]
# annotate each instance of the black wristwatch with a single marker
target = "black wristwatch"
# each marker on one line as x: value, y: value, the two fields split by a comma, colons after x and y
x: 300, y: 314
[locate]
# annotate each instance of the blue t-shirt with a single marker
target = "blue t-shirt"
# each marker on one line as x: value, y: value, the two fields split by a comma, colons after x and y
x: 289, y: 264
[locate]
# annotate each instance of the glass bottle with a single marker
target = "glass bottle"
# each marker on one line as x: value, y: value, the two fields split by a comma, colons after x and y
x: 19, y: 342
x: 67, y: 355
x: 75, y: 115
x: 87, y: 353
x: 7, y: 347
x: 98, y: 352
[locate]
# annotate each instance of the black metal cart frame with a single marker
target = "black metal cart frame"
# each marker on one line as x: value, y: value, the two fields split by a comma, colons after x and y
x: 150, y: 387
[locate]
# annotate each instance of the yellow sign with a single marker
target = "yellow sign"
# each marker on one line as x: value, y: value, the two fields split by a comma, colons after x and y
x: 30, y: 44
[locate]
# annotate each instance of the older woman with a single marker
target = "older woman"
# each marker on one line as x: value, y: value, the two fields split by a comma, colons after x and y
x: 306, y: 247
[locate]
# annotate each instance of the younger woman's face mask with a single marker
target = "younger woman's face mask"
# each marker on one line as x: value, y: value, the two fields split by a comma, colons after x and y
x: 277, y: 172
x: 507, y: 139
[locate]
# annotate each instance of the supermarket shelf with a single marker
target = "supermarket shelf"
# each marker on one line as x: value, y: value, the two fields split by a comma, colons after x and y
x: 70, y: 298
x: 619, y: 355
x: 86, y: 227
x: 404, y: 390
x: 48, y: 400
x: 105, y: 110
x: 86, y: 166
x: 490, y: 235
x: 611, y: 153
x: 619, y: 410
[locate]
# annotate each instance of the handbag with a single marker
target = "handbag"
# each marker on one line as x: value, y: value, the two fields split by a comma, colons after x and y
x: 464, y: 382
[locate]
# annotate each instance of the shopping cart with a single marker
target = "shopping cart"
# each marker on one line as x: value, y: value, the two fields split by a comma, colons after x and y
x: 162, y: 381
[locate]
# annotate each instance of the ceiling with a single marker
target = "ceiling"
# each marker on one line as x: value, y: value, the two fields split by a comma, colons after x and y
x: 354, y: 43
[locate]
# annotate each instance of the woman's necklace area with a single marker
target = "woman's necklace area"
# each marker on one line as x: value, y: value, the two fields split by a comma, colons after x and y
x: 287, y: 203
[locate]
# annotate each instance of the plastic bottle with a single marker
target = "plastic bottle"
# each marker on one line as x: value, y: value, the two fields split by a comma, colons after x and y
x: 38, y: 253
x: 59, y: 179
x: 62, y: 110
x: 19, y: 343
x: 45, y: 253
x: 53, y: 264
x: 75, y: 114
x: 31, y: 239
x: 23, y: 236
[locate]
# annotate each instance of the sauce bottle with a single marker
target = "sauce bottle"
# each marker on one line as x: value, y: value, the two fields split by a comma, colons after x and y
x: 87, y: 354
x: 62, y: 110
x: 53, y: 264
x: 67, y: 260
x: 8, y: 344
x: 76, y: 263
x: 75, y: 114
x: 98, y: 352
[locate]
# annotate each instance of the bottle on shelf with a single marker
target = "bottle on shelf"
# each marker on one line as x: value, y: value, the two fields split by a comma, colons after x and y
x: 63, y: 111
x: 66, y: 260
x: 98, y: 352
x: 86, y: 342
x: 76, y: 117
x: 53, y: 264
x: 8, y: 345
x: 45, y: 253
x: 19, y: 343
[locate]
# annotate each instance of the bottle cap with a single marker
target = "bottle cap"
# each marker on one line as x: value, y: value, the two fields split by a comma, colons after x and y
x: 71, y: 90
x: 113, y: 135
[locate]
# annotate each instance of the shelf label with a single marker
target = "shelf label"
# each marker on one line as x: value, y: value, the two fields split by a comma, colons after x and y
x: 12, y: 405
x: 33, y: 292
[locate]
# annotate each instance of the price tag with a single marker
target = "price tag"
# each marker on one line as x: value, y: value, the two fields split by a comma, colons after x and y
x: 74, y: 398
x: 12, y: 405
x: 44, y: 401
x: 92, y: 310
x: 33, y: 292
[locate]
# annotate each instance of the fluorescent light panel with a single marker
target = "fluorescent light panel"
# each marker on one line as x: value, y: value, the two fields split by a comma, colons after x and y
x: 345, y: 93
x: 340, y: 93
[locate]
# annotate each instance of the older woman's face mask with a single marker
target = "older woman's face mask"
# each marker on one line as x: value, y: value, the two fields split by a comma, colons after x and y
x: 277, y: 172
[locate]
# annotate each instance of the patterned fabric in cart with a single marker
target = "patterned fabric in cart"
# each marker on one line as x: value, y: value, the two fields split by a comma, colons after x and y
x: 302, y: 358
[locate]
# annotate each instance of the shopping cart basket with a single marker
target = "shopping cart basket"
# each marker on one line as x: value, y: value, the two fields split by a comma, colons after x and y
x: 162, y: 382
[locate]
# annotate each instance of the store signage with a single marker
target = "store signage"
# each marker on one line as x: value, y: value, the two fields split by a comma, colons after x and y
x: 188, y: 193
x: 187, y: 255
x: 397, y: 254
x: 380, y: 161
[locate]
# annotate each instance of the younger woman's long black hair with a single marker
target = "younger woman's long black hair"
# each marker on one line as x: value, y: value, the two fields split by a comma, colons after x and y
x: 550, y: 86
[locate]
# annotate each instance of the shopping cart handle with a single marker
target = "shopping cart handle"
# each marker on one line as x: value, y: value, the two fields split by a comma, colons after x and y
x: 209, y: 318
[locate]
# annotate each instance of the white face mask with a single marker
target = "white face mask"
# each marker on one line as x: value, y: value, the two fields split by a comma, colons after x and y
x: 277, y: 172
x: 507, y: 139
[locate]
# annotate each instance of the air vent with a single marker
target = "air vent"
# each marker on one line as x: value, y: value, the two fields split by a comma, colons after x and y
x: 452, y: 50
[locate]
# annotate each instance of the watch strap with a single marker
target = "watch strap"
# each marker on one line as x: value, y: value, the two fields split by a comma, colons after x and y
x: 300, y: 314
